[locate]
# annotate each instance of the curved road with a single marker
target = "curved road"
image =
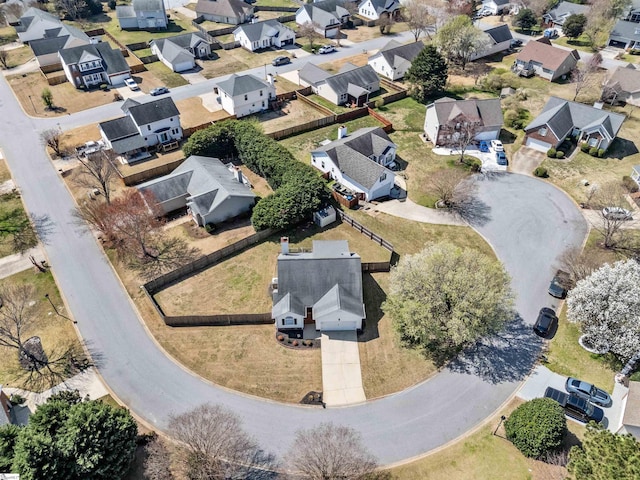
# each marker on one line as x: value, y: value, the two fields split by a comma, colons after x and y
x: 528, y: 222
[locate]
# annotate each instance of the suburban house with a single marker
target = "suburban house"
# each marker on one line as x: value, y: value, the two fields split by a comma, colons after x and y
x: 155, y: 123
x: 393, y: 60
x: 498, y: 40
x: 545, y: 60
x: 142, y: 15
x: 5, y: 408
x: 359, y: 161
x: 634, y: 12
x: 375, y: 9
x: 327, y: 16
x: 90, y: 65
x: 242, y: 95
x: 46, y: 49
x: 211, y: 191
x: 446, y: 116
x: 625, y: 35
x: 496, y: 7
x: 270, y: 33
x: 232, y: 12
x: 631, y: 411
x: 351, y: 85
x: 179, y: 53
x: 623, y: 86
x: 557, y: 15
x: 561, y: 119
x: 322, y: 287
x: 35, y: 24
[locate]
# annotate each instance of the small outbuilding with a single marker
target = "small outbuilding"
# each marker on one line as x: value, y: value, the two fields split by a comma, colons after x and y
x: 325, y: 217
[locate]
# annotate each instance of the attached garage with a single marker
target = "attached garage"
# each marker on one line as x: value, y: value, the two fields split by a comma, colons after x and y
x: 538, y: 144
x: 336, y: 326
x: 489, y: 135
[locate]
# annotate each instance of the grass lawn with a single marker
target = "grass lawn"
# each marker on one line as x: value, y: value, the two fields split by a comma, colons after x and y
x: 236, y: 60
x: 54, y: 331
x: 8, y: 34
x: 484, y: 456
x: 327, y: 104
x: 11, y: 213
x: 292, y: 112
x: 581, y: 43
x: 276, y: 3
x: 18, y: 56
x: 167, y: 77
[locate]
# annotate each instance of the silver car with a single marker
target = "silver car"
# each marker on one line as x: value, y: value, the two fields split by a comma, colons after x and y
x: 616, y: 213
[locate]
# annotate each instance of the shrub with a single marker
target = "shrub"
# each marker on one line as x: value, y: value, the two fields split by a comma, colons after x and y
x: 209, y: 227
x: 112, y: 4
x: 630, y: 184
x: 280, y: 338
x: 584, y: 147
x: 559, y: 154
x: 593, y: 151
x: 551, y: 152
x: 601, y: 152
x: 295, y: 343
x: 308, y: 343
x: 541, y: 172
x: 104, y: 87
x: 537, y: 427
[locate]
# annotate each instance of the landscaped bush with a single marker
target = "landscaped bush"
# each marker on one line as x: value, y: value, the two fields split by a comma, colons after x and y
x: 584, y: 147
x: 551, y: 152
x: 537, y: 427
x: 630, y: 184
x: 601, y: 152
x: 112, y: 4
x: 515, y: 115
x: 473, y: 163
x: 559, y: 154
x: 593, y: 151
x: 541, y: 172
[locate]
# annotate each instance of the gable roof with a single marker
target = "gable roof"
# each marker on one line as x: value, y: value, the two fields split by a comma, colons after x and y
x: 240, y: 84
x: 312, y: 74
x: 38, y: 24
x: 258, y: 30
x: 34, y: 15
x: 329, y: 278
x: 325, y: 12
x: 628, y: 30
x: 125, y: 11
x: 185, y: 40
x: 172, y: 52
x: 561, y: 116
x: 360, y: 76
x: 382, y: 6
x: 223, y: 8
x: 631, y: 415
x: 564, y: 10
x: 204, y: 182
x: 397, y: 55
x: 45, y: 46
x: 351, y: 154
x: 625, y: 79
x: 118, y: 128
x: 153, y: 111
x: 112, y: 59
x: 499, y: 34
x: 148, y: 5
x: 486, y: 111
x: 548, y: 56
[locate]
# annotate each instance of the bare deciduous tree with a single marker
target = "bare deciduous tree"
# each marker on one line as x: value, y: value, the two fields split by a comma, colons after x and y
x: 446, y: 184
x: 4, y: 56
x: 51, y: 138
x: 583, y: 75
x: 610, y: 225
x: 385, y: 22
x: 418, y: 17
x: 580, y: 265
x: 461, y: 134
x: 214, y: 446
x: 329, y: 451
x: 308, y: 30
x: 157, y: 460
x: 73, y: 8
x: 97, y: 172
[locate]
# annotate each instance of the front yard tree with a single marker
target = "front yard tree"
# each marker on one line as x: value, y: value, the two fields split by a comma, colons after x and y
x: 8, y: 438
x: 329, y: 451
x: 459, y: 40
x: 427, y: 74
x: 47, y: 98
x: 606, y: 305
x: 583, y: 75
x: 605, y: 455
x: 419, y: 19
x: 435, y: 302
x: 447, y: 185
x: 97, y: 172
x: 214, y: 445
x: 574, y: 25
x: 610, y: 226
x: 537, y: 427
x: 52, y: 138
x: 308, y: 30
x: 73, y: 8
x: 525, y: 19
x: 385, y: 22
x: 133, y: 224
x: 462, y: 135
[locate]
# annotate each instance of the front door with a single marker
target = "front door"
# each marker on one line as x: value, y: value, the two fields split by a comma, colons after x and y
x: 308, y: 319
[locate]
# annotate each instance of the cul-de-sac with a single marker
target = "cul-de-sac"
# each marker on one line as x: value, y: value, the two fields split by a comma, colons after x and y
x: 326, y: 240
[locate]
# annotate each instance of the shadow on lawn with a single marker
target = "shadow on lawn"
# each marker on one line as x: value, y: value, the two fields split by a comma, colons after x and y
x: 374, y: 296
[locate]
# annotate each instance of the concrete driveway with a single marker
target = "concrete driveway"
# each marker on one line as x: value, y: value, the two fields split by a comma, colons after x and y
x: 341, y: 375
x: 526, y: 160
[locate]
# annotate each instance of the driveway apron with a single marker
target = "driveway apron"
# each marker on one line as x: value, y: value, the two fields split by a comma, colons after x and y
x: 341, y: 375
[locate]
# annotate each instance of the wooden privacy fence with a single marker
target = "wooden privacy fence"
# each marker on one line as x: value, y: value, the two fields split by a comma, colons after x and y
x: 258, y: 8
x: 387, y: 125
x: 373, y: 267
x: 148, y: 174
x: 218, y: 320
x: 365, y: 231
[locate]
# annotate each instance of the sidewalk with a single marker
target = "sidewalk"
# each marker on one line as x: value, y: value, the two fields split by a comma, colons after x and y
x: 19, y: 262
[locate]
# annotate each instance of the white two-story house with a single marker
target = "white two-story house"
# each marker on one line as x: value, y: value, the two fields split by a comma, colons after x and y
x: 267, y: 34
x: 155, y: 123
x: 393, y: 60
x: 352, y: 85
x: 242, y: 95
x: 359, y: 161
x: 90, y: 65
x: 327, y: 16
x: 375, y: 9
x: 142, y: 15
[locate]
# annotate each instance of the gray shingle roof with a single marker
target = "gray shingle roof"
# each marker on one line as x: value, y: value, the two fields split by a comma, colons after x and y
x: 240, y: 84
x: 255, y: 31
x: 628, y: 30
x: 396, y: 54
x: 128, y: 144
x: 172, y: 52
x: 328, y: 278
x: 45, y: 46
x: 562, y: 116
x: 359, y: 76
x: 125, y: 11
x: 326, y: 12
x: 383, y: 5
x: 564, y: 10
x: 112, y: 59
x: 186, y: 40
x: 312, y: 74
x: 625, y: 80
x: 499, y: 34
x: 119, y: 128
x: 351, y: 154
x: 204, y: 183
x: 153, y: 111
x: 486, y: 111
x: 223, y: 8
x: 33, y: 15
x: 148, y: 5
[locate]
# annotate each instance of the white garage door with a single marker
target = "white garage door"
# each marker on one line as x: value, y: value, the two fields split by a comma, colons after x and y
x: 491, y: 135
x: 335, y: 326
x: 538, y: 144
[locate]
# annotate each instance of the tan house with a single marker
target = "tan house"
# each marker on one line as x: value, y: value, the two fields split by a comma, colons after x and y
x: 232, y: 12
x: 631, y: 411
x: 623, y: 86
x: 545, y: 60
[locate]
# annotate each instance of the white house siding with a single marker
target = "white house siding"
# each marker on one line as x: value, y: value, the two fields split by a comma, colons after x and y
x: 244, y: 41
x: 299, y: 321
x: 286, y: 37
x: 368, y: 11
x: 227, y: 20
x: 230, y: 208
x: 382, y: 188
x: 497, y: 48
x: 119, y: 78
x: 173, y: 204
x: 431, y: 125
x: 325, y: 91
x: 338, y: 320
x: 381, y: 67
x: 173, y: 133
x: 254, y: 103
x: 488, y: 135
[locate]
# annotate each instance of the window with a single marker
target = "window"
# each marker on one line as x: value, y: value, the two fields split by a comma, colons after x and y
x: 289, y: 321
x: 322, y: 164
x: 148, y: 127
x: 260, y: 92
x: 542, y: 132
x: 245, y: 96
x: 263, y: 104
x: 383, y: 177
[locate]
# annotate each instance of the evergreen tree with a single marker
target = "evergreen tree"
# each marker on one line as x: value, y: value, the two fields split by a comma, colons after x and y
x: 525, y: 19
x: 427, y: 74
x: 574, y: 25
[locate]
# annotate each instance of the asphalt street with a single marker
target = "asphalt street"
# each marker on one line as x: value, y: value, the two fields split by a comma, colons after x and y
x: 529, y: 223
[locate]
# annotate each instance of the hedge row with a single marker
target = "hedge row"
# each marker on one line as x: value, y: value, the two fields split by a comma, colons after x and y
x: 299, y: 190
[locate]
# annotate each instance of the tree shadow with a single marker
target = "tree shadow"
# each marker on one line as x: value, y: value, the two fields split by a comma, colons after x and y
x: 507, y: 137
x: 44, y: 227
x: 374, y: 297
x: 468, y: 207
x: 506, y: 357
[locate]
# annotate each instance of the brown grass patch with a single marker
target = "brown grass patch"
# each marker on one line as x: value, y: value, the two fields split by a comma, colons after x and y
x: 5, y: 174
x: 291, y: 113
x: 193, y: 113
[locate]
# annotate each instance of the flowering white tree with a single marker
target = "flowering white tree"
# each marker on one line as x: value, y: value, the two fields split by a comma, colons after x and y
x: 606, y: 304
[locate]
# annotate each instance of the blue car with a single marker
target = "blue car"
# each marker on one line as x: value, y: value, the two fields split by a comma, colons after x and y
x: 484, y: 146
x: 501, y: 158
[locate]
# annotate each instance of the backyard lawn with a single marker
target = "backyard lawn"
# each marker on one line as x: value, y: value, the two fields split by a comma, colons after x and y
x: 13, y: 216
x: 167, y: 77
x: 18, y: 56
x: 238, y: 59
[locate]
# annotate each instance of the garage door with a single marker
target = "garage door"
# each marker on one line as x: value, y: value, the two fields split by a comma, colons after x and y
x: 492, y: 135
x: 617, y: 44
x: 538, y: 144
x: 336, y: 326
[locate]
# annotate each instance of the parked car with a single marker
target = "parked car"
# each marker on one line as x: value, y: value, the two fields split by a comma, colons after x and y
x: 131, y: 83
x: 550, y: 33
x: 616, y: 213
x: 497, y: 146
x: 159, y: 91
x: 280, y: 61
x: 516, y: 42
x: 575, y: 406
x: 501, y: 158
x: 545, y: 322
x: 326, y: 49
x: 484, y: 146
x: 560, y: 284
x: 588, y: 391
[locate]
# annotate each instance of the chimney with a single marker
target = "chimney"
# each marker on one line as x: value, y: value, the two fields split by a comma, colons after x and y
x: 270, y: 79
x: 342, y: 132
x: 284, y: 245
x: 238, y: 175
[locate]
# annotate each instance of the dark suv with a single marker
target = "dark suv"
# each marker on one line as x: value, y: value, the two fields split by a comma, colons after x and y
x: 575, y: 406
x: 280, y: 61
x: 545, y: 322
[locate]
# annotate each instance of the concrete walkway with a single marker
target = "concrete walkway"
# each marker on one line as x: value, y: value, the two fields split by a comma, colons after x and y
x: 18, y: 262
x: 28, y: 67
x: 341, y: 375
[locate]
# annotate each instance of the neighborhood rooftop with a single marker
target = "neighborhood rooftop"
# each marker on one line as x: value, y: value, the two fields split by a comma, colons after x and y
x: 255, y: 31
x: 396, y: 54
x: 499, y: 34
x: 113, y: 61
x: 549, y: 56
x: 144, y: 113
x: 223, y: 8
x: 240, y: 84
x: 487, y: 110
